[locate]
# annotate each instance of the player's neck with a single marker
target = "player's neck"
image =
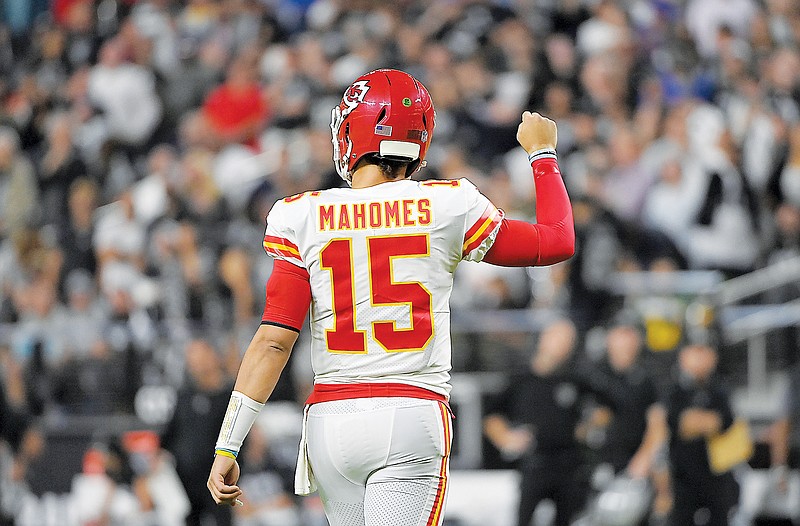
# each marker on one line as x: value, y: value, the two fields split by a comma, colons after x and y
x: 370, y: 175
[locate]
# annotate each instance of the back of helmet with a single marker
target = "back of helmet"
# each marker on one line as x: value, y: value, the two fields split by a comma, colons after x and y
x: 386, y: 113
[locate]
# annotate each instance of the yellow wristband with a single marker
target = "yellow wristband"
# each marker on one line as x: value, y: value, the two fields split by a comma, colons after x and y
x: 225, y: 453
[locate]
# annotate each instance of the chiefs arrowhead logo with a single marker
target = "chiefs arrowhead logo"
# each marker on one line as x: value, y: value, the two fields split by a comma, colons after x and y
x: 355, y: 95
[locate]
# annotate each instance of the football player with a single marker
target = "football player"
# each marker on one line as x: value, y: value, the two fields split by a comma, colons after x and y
x: 375, y: 263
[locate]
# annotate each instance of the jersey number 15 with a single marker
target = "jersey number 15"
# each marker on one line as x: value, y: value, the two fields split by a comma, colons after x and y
x: 337, y: 258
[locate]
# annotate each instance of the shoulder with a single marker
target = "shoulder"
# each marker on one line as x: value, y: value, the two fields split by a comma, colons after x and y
x: 457, y: 195
x: 448, y: 185
x: 292, y: 208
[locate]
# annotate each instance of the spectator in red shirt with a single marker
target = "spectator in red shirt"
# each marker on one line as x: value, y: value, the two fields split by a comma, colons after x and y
x: 236, y: 110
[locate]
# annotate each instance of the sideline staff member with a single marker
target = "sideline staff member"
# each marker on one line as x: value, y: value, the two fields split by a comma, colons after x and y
x: 697, y: 408
x: 536, y: 418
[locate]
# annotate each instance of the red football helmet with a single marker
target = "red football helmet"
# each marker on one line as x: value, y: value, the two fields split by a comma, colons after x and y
x: 385, y: 112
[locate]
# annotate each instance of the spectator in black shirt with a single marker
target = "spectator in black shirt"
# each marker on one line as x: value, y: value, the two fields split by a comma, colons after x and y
x: 535, y: 420
x: 58, y: 165
x: 698, y: 408
x: 199, y: 411
x: 76, y: 230
x: 636, y: 431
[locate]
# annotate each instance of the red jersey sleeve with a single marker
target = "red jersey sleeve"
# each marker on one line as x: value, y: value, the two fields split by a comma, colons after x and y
x: 552, y: 238
x: 288, y: 296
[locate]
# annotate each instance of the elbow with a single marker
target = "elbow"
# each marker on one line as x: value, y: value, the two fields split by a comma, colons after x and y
x: 569, y: 239
x: 561, y: 250
x: 267, y: 343
x: 276, y: 346
x: 568, y: 250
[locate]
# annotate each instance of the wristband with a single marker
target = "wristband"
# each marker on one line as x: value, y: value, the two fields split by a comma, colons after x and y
x: 544, y: 153
x: 239, y: 417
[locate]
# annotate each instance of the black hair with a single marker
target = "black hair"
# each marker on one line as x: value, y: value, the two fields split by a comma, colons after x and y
x: 390, y: 167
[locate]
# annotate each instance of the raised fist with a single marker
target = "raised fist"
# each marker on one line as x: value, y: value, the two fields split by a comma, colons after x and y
x: 536, y: 132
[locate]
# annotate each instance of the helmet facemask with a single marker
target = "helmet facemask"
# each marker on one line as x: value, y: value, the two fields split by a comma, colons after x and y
x: 341, y: 159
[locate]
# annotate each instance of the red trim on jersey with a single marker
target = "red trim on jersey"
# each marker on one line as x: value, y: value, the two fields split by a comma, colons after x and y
x: 552, y: 238
x: 334, y: 392
x: 281, y: 246
x: 481, y: 229
x: 288, y: 295
x: 277, y: 254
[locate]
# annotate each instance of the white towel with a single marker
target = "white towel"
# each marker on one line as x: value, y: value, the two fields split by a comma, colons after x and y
x: 304, y: 483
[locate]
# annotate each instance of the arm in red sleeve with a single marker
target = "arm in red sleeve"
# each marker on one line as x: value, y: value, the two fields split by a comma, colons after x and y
x: 552, y: 238
x: 288, y: 296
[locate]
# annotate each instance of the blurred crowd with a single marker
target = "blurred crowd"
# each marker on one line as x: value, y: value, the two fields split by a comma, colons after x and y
x: 142, y: 143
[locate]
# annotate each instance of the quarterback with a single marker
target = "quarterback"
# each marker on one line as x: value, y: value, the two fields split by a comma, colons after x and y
x: 374, y: 262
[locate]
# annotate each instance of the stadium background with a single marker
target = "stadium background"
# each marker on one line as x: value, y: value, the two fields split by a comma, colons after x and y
x: 142, y: 143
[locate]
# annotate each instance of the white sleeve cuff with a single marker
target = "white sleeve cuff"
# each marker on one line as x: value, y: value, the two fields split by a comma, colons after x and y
x: 242, y: 412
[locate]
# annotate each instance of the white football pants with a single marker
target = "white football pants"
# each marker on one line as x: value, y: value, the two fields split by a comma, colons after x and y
x: 380, y: 461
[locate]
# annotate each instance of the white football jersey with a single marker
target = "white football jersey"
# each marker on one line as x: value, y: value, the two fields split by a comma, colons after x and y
x: 381, y: 261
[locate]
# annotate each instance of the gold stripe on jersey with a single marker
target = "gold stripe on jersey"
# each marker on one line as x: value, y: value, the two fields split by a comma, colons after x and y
x: 482, y: 232
x: 282, y: 248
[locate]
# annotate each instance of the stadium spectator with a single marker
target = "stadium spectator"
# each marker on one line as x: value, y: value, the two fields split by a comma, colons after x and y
x: 75, y: 229
x: 236, y: 111
x: 42, y: 320
x: 155, y: 483
x: 125, y: 92
x: 626, y: 185
x: 269, y: 486
x: 585, y: 286
x: 199, y: 410
x: 102, y: 492
x: 535, y: 420
x: 87, y: 315
x: 19, y: 195
x: 58, y: 166
x: 697, y: 408
x: 635, y: 433
x: 605, y: 31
